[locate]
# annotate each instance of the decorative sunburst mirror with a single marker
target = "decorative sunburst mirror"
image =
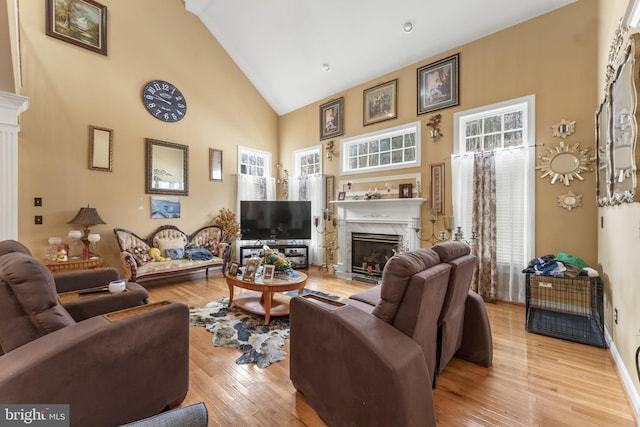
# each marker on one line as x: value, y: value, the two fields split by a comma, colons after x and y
x: 565, y: 163
x: 563, y: 129
x: 570, y: 200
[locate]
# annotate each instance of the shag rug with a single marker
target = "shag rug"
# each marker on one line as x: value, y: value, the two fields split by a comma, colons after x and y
x: 233, y: 327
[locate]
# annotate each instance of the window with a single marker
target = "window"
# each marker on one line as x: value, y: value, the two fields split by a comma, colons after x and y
x: 394, y: 148
x: 253, y: 162
x: 508, y: 129
x: 308, y: 161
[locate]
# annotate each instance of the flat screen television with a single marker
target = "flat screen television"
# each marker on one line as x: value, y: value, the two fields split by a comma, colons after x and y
x: 275, y: 220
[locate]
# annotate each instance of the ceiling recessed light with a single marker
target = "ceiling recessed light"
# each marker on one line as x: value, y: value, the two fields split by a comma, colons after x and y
x: 407, y: 27
x: 325, y: 67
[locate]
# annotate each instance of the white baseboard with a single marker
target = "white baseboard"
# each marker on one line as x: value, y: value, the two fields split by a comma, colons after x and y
x: 626, y: 378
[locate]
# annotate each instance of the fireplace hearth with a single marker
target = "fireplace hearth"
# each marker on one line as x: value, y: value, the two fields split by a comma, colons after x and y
x: 371, y: 251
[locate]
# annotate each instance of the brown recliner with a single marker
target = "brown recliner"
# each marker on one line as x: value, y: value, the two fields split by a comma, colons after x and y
x: 111, y: 369
x: 462, y: 313
x: 358, y: 364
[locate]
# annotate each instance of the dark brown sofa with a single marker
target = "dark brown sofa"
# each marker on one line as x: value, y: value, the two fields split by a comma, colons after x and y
x: 372, y: 359
x: 111, y: 369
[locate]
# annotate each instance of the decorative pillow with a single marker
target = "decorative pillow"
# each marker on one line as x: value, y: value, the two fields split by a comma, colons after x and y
x: 213, y: 246
x: 170, y: 243
x: 177, y: 253
x: 140, y: 255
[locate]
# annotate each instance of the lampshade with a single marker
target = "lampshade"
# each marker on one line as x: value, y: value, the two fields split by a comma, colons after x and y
x: 87, y: 217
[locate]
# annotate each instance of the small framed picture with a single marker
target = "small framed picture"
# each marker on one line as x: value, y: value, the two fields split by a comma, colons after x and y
x: 380, y: 103
x: 250, y: 270
x: 331, y: 114
x: 233, y: 269
x: 267, y: 273
x: 341, y: 195
x: 405, y: 191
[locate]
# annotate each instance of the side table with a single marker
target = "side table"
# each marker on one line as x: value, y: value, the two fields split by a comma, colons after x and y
x: 74, y: 264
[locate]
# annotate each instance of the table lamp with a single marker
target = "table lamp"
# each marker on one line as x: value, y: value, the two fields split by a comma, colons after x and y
x: 87, y: 217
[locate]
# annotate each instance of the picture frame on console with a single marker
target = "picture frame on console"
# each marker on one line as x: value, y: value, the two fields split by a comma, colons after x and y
x: 380, y: 103
x: 438, y: 85
x: 233, y: 269
x: 79, y: 22
x: 341, y: 195
x: 331, y: 115
x: 250, y: 269
x: 268, y: 272
x: 405, y: 191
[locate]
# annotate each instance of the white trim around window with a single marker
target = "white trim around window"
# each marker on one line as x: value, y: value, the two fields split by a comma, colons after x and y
x: 254, y: 162
x: 312, y: 164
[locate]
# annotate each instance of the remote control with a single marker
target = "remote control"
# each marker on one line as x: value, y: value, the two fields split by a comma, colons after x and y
x: 93, y: 291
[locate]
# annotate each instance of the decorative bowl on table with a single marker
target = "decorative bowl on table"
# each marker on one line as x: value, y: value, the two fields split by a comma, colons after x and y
x: 275, y: 258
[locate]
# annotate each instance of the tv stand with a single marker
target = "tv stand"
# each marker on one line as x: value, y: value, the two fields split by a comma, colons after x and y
x: 298, y: 254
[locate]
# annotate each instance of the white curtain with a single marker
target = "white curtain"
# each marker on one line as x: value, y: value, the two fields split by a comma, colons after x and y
x: 515, y: 180
x: 515, y: 210
x: 311, y: 188
x: 255, y: 188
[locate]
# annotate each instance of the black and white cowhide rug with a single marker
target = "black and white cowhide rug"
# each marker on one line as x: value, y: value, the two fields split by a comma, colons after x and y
x: 233, y: 327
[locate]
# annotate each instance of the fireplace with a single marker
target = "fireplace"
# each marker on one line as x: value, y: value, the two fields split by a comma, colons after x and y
x: 387, y: 217
x: 371, y: 251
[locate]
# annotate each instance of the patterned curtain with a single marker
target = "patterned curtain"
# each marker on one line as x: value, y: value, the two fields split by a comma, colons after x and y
x: 485, y: 277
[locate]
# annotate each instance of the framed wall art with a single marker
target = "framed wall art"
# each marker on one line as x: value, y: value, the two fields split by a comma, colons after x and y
x: 438, y: 85
x: 331, y: 114
x: 79, y: 22
x: 380, y: 103
x: 437, y: 187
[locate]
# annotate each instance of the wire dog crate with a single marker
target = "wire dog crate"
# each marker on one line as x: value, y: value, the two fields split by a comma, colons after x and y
x: 566, y: 308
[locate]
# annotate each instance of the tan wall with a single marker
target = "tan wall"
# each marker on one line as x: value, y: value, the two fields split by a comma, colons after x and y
x: 619, y: 239
x: 71, y: 88
x: 6, y: 71
x: 553, y: 57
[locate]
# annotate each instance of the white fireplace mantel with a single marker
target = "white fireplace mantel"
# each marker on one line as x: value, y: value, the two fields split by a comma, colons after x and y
x: 384, y: 216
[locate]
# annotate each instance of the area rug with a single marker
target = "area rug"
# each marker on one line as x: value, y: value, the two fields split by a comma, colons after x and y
x: 233, y: 327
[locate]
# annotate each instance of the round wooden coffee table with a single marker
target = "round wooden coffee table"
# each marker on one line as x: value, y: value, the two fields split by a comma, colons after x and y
x: 266, y: 303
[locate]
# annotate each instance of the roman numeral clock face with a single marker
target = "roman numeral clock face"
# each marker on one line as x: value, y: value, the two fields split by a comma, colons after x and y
x: 164, y: 101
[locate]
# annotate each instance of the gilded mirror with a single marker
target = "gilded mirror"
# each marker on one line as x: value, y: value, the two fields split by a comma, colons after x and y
x: 100, y: 149
x: 563, y: 128
x: 215, y: 164
x: 570, y: 200
x: 167, y: 168
x: 624, y: 125
x: 565, y: 163
x: 603, y: 144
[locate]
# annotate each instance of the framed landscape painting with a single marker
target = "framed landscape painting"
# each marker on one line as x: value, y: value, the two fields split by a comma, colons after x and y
x: 438, y: 85
x: 79, y: 22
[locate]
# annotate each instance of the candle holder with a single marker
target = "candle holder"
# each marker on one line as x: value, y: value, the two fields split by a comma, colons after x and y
x: 432, y: 215
x: 328, y: 232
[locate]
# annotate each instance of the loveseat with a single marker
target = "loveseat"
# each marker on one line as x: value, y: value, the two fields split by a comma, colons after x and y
x: 110, y: 369
x: 372, y: 359
x: 174, y: 246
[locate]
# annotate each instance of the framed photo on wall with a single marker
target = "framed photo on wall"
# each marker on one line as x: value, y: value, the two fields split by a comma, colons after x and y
x: 331, y: 114
x: 79, y: 22
x: 438, y: 85
x: 437, y: 187
x: 380, y: 103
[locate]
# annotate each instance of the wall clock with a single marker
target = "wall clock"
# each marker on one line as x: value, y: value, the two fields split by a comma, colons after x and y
x: 164, y: 101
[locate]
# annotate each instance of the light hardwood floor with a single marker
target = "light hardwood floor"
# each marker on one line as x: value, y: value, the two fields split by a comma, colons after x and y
x: 534, y: 381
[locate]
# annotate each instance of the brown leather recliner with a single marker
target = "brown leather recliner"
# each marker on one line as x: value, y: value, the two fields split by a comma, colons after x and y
x: 359, y: 364
x: 111, y: 369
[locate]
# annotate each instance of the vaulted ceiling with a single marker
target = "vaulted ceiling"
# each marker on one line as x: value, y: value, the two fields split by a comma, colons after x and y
x: 296, y: 52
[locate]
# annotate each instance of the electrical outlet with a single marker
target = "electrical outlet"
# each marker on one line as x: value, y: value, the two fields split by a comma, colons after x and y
x: 37, y: 201
x: 38, y: 220
x: 615, y: 316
